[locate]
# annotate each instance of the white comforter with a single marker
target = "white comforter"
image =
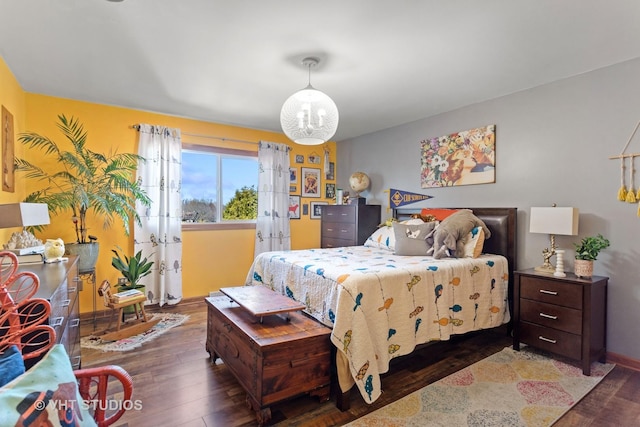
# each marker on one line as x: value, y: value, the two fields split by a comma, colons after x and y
x: 381, y: 306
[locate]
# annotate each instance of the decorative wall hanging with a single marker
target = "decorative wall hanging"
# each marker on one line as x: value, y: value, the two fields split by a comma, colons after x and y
x: 310, y: 182
x: 293, y: 175
x: 627, y: 193
x: 8, y: 175
x: 398, y: 198
x: 462, y: 158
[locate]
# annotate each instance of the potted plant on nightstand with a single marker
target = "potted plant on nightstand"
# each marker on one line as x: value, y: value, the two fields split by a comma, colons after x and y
x: 80, y: 180
x: 586, y: 252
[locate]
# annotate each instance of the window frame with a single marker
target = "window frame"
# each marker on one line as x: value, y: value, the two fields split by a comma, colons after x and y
x: 227, y: 225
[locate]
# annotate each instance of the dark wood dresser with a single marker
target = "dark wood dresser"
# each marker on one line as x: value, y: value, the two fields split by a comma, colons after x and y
x: 348, y: 225
x: 60, y: 285
x: 273, y: 357
x: 563, y: 315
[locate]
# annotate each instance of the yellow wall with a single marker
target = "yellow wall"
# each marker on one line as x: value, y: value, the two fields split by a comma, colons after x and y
x: 211, y: 259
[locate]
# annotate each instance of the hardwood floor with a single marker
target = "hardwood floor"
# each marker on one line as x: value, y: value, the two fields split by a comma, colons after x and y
x: 177, y: 385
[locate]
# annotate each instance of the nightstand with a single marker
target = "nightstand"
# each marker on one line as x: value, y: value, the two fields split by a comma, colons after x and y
x: 348, y: 225
x: 563, y: 315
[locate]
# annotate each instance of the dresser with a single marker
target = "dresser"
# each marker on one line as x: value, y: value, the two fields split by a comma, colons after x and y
x: 563, y: 315
x: 348, y: 225
x: 60, y: 285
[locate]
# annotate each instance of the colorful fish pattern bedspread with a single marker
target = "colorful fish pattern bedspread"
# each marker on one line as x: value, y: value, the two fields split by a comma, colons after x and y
x: 380, y: 305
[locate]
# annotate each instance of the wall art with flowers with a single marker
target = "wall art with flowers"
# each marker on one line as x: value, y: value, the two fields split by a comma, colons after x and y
x: 462, y: 158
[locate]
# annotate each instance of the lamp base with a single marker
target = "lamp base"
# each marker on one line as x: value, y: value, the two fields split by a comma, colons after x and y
x: 545, y: 268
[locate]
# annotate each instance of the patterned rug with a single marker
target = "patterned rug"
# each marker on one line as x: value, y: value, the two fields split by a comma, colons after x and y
x: 509, y: 388
x: 167, y: 321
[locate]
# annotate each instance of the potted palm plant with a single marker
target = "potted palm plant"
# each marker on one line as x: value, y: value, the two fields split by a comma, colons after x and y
x: 84, y: 181
x: 132, y: 270
x: 587, y: 251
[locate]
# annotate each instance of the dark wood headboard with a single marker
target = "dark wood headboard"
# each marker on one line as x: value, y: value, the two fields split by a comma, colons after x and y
x: 502, y: 224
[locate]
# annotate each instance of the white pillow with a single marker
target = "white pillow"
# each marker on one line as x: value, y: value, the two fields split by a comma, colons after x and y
x: 474, y: 242
x: 382, y: 238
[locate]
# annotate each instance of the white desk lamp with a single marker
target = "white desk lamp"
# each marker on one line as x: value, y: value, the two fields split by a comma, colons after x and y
x: 552, y: 221
x: 24, y: 215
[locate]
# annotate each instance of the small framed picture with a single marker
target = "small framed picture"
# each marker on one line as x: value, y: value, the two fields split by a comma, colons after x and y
x: 329, y: 191
x: 311, y: 182
x: 293, y: 189
x: 293, y: 175
x: 316, y: 209
x: 305, y: 209
x: 331, y: 172
x: 294, y: 207
x: 314, y: 159
x: 299, y: 158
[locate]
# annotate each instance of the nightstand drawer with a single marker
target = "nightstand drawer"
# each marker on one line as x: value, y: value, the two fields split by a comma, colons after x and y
x: 552, y: 340
x: 339, y: 230
x: 551, y: 291
x: 550, y: 315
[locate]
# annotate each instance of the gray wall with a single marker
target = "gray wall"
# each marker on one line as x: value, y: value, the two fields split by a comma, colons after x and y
x: 553, y: 145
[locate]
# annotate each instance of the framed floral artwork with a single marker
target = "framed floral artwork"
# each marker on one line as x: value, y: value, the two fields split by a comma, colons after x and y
x: 316, y: 209
x: 461, y: 158
x: 311, y: 182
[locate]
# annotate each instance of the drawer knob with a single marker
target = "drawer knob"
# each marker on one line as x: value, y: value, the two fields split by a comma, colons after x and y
x: 541, y: 338
x: 543, y: 291
x: 329, y: 229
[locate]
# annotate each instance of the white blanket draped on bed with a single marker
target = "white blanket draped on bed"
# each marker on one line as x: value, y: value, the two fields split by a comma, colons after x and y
x: 380, y: 305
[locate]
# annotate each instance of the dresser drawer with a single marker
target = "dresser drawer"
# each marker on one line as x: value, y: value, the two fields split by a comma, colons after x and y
x: 328, y: 242
x: 338, y: 213
x: 551, y: 315
x: 551, y: 292
x: 552, y: 340
x: 339, y: 230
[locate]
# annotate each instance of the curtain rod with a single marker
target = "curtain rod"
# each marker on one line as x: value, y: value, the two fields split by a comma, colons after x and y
x: 221, y: 138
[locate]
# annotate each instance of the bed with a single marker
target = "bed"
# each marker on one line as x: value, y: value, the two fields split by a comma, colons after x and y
x: 381, y: 306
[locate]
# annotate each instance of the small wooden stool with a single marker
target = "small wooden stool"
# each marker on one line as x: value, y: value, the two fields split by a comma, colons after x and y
x: 124, y: 329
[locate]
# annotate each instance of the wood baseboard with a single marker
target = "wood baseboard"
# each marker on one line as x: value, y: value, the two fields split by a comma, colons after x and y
x: 624, y: 361
x: 88, y: 316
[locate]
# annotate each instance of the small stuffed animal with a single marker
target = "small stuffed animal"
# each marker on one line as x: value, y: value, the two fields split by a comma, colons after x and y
x: 53, y: 249
x: 448, y: 236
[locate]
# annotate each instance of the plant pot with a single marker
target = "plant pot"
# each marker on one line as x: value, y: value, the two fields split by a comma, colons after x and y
x: 86, y: 252
x: 583, y: 268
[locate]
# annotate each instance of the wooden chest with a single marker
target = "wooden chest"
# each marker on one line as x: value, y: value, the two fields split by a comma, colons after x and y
x: 274, y: 357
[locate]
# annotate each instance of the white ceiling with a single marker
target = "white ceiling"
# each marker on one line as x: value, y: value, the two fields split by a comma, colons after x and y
x: 385, y: 63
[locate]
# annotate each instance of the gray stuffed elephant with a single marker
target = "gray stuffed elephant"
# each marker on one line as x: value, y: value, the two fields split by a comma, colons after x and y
x: 449, y: 236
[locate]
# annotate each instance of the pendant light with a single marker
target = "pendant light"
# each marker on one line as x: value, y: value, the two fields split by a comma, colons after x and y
x: 309, y: 117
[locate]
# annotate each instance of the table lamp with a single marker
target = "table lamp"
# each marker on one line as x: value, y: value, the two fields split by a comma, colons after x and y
x: 553, y: 220
x: 24, y: 215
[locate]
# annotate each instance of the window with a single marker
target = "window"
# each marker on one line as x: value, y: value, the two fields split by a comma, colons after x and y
x: 219, y: 186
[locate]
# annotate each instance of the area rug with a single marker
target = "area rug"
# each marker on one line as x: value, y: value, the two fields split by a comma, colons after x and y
x: 167, y: 321
x: 510, y: 388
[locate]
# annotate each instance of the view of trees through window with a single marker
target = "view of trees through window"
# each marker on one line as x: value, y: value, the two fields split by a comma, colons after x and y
x: 218, y: 185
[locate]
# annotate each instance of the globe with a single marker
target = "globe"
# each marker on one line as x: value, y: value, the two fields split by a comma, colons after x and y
x: 359, y: 181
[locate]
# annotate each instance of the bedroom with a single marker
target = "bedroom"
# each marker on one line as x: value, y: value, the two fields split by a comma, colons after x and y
x: 553, y: 146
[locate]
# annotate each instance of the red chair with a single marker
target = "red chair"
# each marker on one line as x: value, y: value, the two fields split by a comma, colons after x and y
x: 21, y: 324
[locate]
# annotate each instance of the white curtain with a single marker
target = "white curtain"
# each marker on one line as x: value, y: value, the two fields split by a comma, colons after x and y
x: 272, y: 224
x: 160, y: 236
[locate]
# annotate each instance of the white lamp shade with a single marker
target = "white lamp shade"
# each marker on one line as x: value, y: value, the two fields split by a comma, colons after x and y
x: 309, y: 117
x: 554, y: 220
x: 23, y: 214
